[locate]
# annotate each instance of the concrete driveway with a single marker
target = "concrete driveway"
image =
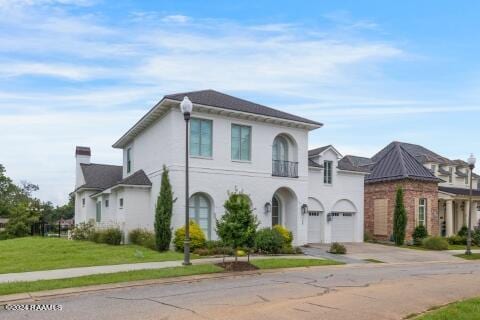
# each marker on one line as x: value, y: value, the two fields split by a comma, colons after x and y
x: 358, y: 252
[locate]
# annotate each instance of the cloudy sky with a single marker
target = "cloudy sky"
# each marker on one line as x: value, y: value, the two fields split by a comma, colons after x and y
x: 81, y: 72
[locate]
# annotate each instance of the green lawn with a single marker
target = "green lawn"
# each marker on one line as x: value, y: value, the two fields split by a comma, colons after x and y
x: 36, y: 253
x: 463, y: 310
x: 461, y: 247
x: 473, y: 256
x: 291, y: 263
x: 19, y: 287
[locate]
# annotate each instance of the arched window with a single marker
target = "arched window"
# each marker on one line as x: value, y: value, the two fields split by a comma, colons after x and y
x: 276, y: 212
x: 280, y: 149
x: 200, y: 209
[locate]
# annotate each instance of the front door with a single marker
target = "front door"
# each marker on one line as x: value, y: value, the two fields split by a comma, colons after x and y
x: 276, y: 213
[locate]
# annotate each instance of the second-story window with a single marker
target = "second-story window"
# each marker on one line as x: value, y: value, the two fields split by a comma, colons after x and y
x: 467, y: 178
x: 434, y: 168
x: 201, y: 137
x: 327, y: 172
x: 129, y: 160
x: 450, y: 176
x: 241, y: 142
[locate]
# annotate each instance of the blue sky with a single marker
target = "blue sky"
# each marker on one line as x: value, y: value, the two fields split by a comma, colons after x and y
x: 81, y: 72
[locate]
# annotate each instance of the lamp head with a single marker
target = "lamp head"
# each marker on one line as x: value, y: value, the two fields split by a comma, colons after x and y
x: 471, y: 161
x: 186, y: 107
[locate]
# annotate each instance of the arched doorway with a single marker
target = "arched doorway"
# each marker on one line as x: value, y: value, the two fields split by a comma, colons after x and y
x: 276, y: 211
x: 200, y: 211
x: 285, y: 209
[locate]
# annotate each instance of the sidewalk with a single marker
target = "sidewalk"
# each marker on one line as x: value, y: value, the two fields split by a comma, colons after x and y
x: 86, y: 271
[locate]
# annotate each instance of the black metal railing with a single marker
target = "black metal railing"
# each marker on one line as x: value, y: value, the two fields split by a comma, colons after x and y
x: 282, y: 168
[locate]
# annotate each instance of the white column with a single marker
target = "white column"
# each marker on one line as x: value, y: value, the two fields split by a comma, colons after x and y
x: 474, y: 214
x: 459, y: 215
x: 449, y: 218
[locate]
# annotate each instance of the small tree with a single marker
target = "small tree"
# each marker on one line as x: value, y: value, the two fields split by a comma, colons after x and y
x: 237, y: 227
x: 399, y: 219
x: 163, y: 213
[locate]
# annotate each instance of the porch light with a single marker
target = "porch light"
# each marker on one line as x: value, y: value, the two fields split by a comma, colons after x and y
x: 186, y: 107
x: 471, y: 161
x: 304, y: 209
x: 268, y: 207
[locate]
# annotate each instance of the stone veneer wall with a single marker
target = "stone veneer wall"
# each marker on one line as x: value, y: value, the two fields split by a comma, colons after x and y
x: 412, y: 190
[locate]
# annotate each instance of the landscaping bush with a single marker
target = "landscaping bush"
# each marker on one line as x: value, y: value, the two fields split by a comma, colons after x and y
x: 269, y: 240
x: 435, y: 243
x: 197, y: 237
x: 163, y: 213
x: 399, y: 219
x: 112, y: 236
x: 287, y: 235
x: 475, y: 236
x: 463, y: 232
x: 142, y: 237
x: 291, y: 250
x: 83, y: 231
x: 459, y: 240
x: 3, y: 235
x: 337, y: 248
x: 419, y: 234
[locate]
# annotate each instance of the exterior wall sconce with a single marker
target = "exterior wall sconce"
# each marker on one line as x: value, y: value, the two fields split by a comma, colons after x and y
x: 268, y: 207
x: 329, y: 217
x: 304, y: 209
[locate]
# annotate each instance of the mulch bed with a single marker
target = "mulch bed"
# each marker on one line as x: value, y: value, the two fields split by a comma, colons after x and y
x: 236, y: 266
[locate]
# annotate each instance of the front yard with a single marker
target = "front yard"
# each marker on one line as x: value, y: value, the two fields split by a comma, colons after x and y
x: 463, y: 310
x: 36, y: 253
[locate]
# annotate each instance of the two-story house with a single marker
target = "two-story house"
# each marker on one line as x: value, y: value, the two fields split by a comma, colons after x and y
x: 436, y: 191
x: 234, y: 144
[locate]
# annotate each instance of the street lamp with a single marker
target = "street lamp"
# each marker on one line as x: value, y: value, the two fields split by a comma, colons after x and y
x: 471, y: 164
x: 186, y: 107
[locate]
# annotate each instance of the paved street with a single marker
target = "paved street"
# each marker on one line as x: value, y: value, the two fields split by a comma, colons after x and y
x: 367, y: 291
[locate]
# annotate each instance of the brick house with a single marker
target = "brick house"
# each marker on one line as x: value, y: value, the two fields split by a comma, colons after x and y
x: 395, y: 167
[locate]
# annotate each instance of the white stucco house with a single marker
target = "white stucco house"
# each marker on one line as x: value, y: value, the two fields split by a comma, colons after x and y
x: 234, y: 144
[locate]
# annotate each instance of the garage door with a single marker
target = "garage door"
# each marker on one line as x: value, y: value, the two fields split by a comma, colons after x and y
x: 314, y: 226
x: 342, y: 227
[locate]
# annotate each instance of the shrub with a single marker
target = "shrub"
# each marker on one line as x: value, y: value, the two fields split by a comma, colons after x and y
x: 286, y: 234
x: 20, y: 221
x: 291, y: 250
x: 419, y: 234
x: 399, y: 219
x: 83, y: 231
x: 142, y: 237
x: 337, y: 248
x: 459, y: 240
x: 214, y: 244
x: 3, y: 235
x: 475, y: 236
x: 435, y: 243
x: 463, y: 232
x: 269, y: 240
x: 112, y: 236
x: 217, y: 251
x: 163, y: 213
x: 197, y: 237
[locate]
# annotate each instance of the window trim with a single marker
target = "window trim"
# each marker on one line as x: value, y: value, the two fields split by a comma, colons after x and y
x: 249, y: 142
x: 424, y: 206
x: 129, y: 159
x: 328, y: 173
x: 200, y: 156
x: 120, y: 203
x: 107, y: 203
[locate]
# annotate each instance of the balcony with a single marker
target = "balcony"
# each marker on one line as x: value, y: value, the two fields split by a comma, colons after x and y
x: 282, y: 168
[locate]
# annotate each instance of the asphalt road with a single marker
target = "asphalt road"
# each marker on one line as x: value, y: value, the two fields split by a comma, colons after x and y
x: 369, y: 291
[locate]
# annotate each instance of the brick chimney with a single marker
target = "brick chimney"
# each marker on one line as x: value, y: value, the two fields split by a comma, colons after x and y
x: 82, y: 155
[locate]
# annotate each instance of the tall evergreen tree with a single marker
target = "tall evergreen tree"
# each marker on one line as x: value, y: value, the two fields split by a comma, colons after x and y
x: 399, y: 219
x: 163, y: 213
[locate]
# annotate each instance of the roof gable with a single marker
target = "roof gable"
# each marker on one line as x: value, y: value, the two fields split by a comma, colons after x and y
x: 422, y: 154
x: 396, y: 163
x: 320, y: 150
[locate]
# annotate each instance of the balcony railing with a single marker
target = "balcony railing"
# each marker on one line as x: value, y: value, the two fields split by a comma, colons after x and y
x: 282, y: 168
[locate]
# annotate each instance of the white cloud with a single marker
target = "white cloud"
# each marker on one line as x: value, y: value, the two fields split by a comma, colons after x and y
x: 177, y: 18
x: 71, y: 72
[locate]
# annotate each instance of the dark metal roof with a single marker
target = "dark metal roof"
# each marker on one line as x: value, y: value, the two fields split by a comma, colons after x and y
x: 317, y: 151
x: 442, y: 171
x: 354, y: 163
x: 104, y: 176
x: 460, y: 191
x: 314, y: 164
x: 420, y: 153
x: 394, y: 162
x: 221, y: 100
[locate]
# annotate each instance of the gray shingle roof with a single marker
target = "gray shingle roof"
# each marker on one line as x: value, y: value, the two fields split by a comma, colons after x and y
x: 104, y: 176
x: 100, y: 176
x: 442, y: 171
x: 394, y: 162
x: 221, y: 100
x: 314, y: 164
x: 460, y: 174
x: 354, y: 163
x: 317, y: 151
x: 420, y: 153
x: 460, y: 191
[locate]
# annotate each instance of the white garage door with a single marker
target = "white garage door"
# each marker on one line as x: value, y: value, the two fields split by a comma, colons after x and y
x: 342, y: 227
x: 314, y: 226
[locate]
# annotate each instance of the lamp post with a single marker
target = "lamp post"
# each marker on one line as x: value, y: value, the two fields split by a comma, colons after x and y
x: 186, y: 107
x: 471, y: 164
